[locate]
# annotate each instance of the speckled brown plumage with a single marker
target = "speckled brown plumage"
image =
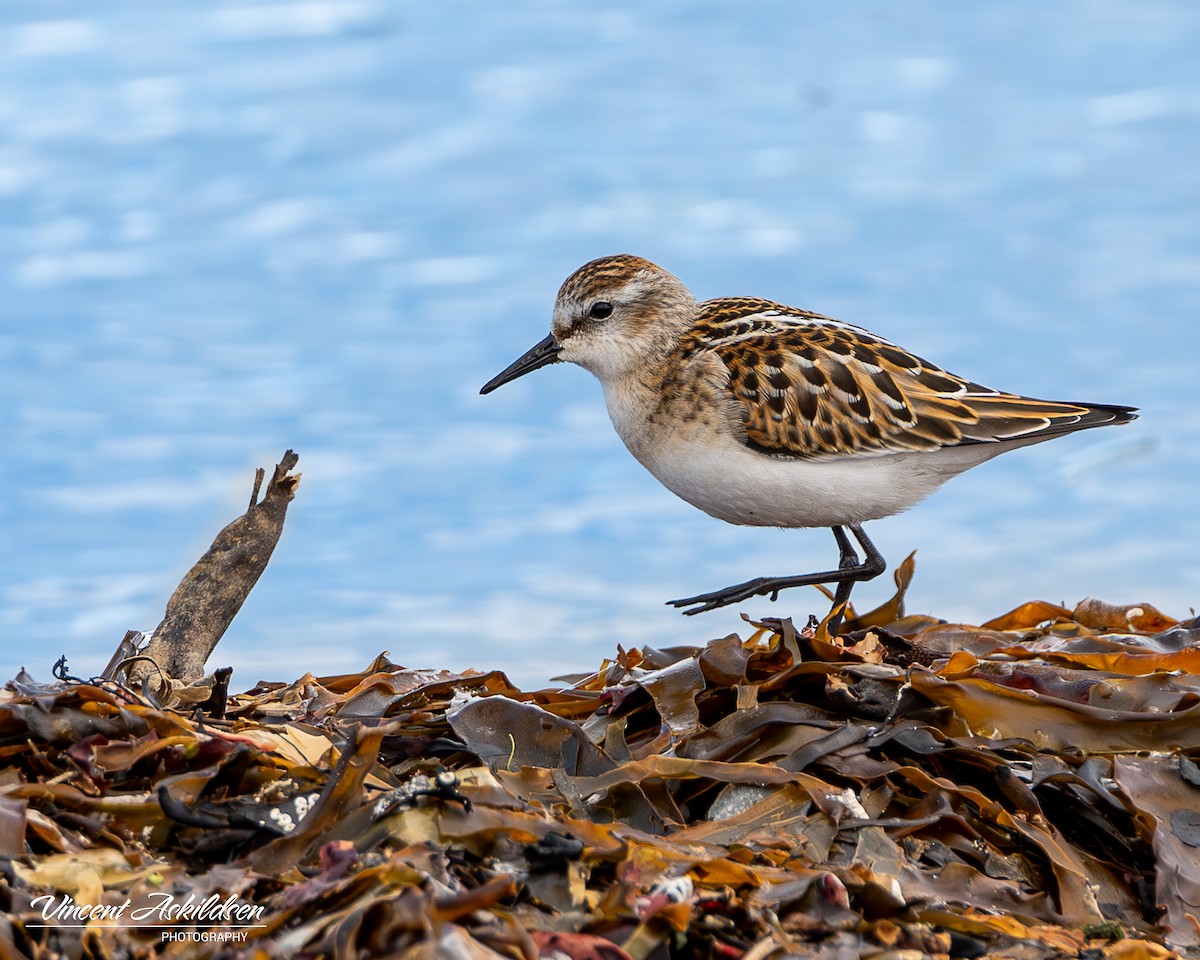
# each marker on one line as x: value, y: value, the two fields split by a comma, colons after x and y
x: 807, y: 385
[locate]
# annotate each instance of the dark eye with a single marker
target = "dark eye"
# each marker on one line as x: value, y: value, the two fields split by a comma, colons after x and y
x: 600, y: 310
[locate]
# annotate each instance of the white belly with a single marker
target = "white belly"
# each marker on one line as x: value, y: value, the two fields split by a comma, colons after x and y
x: 712, y: 470
x: 739, y: 485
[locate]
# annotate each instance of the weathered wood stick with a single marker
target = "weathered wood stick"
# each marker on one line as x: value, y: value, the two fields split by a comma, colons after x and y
x: 210, y: 595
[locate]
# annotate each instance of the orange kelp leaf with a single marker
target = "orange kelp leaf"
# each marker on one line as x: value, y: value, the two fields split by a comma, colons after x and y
x: 717, y: 872
x: 1132, y: 663
x: 449, y: 685
x: 297, y: 743
x: 976, y: 922
x: 628, y: 660
x: 487, y: 894
x: 893, y: 609
x: 344, y: 682
x: 990, y: 709
x: 281, y: 700
x: 1027, y: 616
x: 118, y: 755
x: 1137, y: 950
x: 372, y: 695
x: 773, y: 638
x: 570, y: 704
x: 1138, y: 617
x: 913, y: 623
x: 724, y: 660
x: 959, y: 666
x: 839, y: 648
x: 673, y: 690
x: 140, y: 805
x: 824, y: 644
x: 1167, y: 807
x: 682, y: 768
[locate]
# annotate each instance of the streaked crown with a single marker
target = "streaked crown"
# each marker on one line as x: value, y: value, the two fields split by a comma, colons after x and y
x: 617, y: 313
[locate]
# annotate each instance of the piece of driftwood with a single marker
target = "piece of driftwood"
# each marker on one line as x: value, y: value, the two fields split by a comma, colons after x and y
x: 210, y: 595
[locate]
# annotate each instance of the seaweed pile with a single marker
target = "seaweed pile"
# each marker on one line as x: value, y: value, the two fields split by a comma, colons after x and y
x: 1026, y: 788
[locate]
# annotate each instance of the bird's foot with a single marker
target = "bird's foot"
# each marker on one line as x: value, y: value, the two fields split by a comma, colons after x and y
x: 850, y: 571
x: 722, y: 598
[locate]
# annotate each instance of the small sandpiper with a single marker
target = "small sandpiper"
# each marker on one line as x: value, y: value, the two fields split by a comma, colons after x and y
x: 766, y: 415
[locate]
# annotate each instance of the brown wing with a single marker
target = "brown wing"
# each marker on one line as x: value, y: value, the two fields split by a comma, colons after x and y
x: 810, y: 386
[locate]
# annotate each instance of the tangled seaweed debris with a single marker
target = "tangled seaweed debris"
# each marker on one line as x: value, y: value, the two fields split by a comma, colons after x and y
x: 1027, y: 788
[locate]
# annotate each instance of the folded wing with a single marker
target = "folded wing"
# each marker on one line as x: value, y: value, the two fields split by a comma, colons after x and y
x: 805, y: 385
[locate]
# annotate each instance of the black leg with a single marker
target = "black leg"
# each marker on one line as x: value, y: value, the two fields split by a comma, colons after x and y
x: 847, y: 560
x: 841, y: 597
x: 850, y: 571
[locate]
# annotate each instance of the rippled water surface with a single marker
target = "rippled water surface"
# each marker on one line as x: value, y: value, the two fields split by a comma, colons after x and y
x: 229, y: 229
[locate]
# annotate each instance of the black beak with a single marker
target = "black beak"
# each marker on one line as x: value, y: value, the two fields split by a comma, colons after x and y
x: 544, y: 353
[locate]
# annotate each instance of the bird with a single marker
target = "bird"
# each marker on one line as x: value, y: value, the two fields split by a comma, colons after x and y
x: 762, y: 414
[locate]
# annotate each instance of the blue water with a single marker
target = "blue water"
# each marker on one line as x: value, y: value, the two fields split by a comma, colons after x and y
x: 229, y: 229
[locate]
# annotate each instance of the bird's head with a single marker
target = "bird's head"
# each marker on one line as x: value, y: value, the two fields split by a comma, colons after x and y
x: 613, y: 316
